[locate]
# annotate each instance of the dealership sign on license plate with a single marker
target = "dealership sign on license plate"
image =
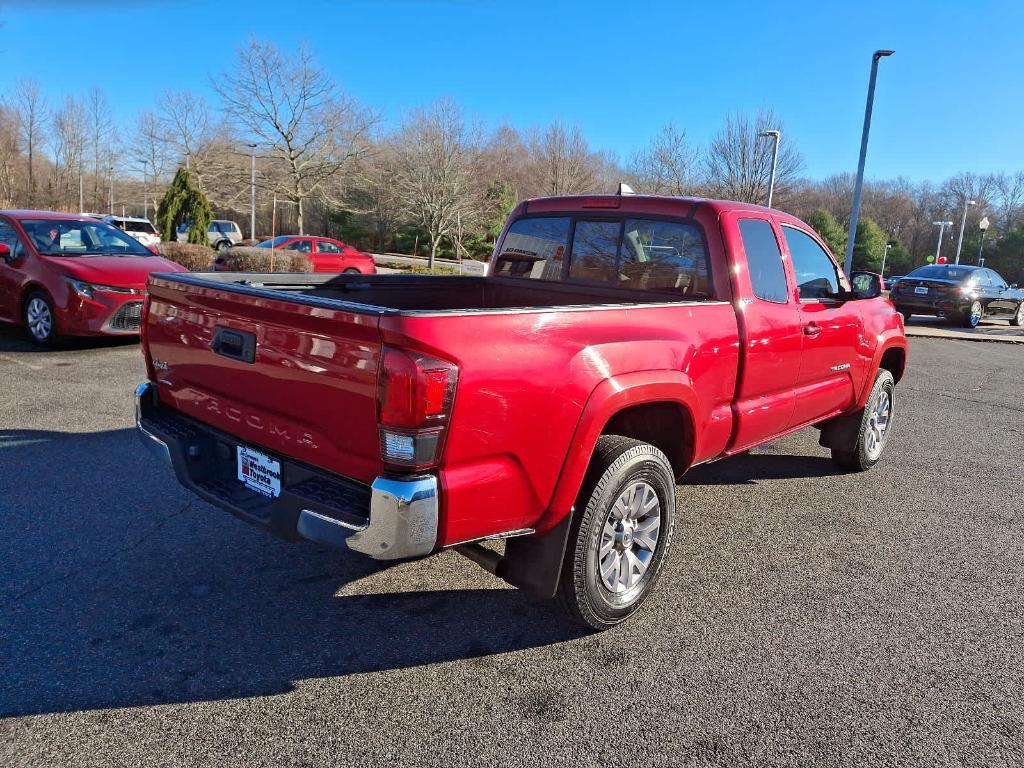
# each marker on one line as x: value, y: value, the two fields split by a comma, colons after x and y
x: 259, y: 472
x: 920, y: 289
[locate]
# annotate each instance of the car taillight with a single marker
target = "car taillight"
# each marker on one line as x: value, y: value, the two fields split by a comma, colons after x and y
x: 415, y: 394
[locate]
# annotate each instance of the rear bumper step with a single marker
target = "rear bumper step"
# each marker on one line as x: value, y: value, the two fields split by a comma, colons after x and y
x: 392, y: 519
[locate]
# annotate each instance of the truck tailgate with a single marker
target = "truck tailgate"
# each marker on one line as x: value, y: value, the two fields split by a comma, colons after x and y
x: 309, y: 391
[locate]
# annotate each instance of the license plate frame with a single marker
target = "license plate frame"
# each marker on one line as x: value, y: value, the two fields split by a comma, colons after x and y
x: 921, y: 290
x: 258, y: 472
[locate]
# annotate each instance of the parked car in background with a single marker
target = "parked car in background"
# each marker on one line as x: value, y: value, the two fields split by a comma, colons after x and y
x: 141, y: 229
x: 326, y: 253
x: 964, y: 294
x: 891, y: 281
x: 64, y: 274
x: 221, y: 234
x: 552, y: 403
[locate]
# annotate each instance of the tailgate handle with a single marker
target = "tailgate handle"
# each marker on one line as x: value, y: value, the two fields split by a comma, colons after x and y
x: 238, y: 345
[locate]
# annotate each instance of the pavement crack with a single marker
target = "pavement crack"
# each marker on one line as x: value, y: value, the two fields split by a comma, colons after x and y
x: 112, y: 556
x: 988, y: 403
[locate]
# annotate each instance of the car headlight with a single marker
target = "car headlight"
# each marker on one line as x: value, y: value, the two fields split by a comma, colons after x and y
x: 86, y: 290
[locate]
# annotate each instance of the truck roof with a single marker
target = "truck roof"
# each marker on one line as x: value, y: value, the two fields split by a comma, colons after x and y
x: 657, y: 204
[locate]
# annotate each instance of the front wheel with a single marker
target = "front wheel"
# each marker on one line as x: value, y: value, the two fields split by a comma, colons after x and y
x: 39, y: 318
x: 350, y: 271
x: 1018, y: 318
x: 622, y: 535
x: 223, y: 245
x: 875, y: 425
x: 972, y: 315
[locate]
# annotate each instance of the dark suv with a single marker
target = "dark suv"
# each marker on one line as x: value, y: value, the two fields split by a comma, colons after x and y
x: 964, y: 294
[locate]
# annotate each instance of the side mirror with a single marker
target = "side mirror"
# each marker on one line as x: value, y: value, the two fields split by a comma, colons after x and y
x: 5, y: 253
x: 867, y: 285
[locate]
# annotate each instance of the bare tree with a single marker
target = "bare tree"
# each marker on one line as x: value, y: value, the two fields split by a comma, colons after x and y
x: 9, y: 154
x: 101, y: 137
x: 739, y: 162
x: 69, y: 137
x: 435, y: 181
x: 666, y: 166
x: 32, y: 119
x: 188, y: 126
x: 1009, y: 198
x: 564, y: 160
x: 290, y: 105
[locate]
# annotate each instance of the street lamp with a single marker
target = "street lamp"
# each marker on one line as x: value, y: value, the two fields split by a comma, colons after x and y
x: 983, y: 226
x: 273, y: 227
x: 888, y: 247
x: 855, y: 212
x: 963, y: 222
x: 252, y: 194
x: 942, y: 228
x: 145, y: 190
x: 777, y: 136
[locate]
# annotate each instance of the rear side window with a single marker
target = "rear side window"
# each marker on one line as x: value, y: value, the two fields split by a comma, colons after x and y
x: 139, y: 226
x: 325, y: 246
x: 764, y: 260
x: 816, y: 275
x: 663, y: 256
x: 534, y: 248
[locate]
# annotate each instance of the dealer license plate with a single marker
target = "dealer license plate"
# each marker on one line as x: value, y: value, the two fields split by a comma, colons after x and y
x: 258, y: 472
x: 921, y: 289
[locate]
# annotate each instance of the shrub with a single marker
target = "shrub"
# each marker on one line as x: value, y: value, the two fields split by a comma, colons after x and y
x: 195, y: 258
x: 246, y: 259
x: 247, y: 242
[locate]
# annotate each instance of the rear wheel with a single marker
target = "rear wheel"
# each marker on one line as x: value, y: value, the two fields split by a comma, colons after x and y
x: 350, y: 271
x: 875, y: 424
x: 223, y: 245
x: 39, y: 318
x: 972, y: 315
x: 1018, y: 317
x: 622, y: 535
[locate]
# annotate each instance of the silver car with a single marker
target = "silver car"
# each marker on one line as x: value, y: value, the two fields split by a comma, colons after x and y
x: 221, y: 234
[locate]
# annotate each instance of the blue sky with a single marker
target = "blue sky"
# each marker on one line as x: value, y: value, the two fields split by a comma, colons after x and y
x: 951, y: 99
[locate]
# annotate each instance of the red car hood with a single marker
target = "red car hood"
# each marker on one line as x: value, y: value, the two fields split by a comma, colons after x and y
x: 118, y: 271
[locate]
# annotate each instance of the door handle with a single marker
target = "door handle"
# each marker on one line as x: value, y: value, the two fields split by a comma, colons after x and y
x: 812, y: 330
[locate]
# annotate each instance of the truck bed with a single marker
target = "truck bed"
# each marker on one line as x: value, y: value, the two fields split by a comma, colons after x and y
x: 414, y: 294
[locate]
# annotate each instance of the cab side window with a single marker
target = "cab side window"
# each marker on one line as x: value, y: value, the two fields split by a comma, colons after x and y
x: 764, y: 261
x: 817, y: 276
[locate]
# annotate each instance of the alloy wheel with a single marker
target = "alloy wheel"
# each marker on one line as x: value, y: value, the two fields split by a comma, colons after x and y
x: 39, y: 318
x: 878, y: 425
x: 629, y: 537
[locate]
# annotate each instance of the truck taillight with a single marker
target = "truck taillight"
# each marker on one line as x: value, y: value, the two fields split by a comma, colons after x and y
x: 144, y: 336
x: 415, y: 394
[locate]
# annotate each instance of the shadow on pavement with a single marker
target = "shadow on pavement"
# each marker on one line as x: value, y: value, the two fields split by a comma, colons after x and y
x: 120, y: 591
x: 13, y: 339
x: 747, y: 469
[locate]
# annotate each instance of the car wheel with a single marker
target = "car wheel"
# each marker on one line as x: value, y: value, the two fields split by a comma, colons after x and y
x: 40, y: 322
x: 972, y: 315
x: 223, y: 245
x: 622, y: 535
x: 1018, y: 318
x: 350, y: 271
x: 875, y: 426
x: 906, y: 317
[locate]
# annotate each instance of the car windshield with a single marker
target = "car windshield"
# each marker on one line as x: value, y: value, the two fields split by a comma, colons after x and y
x: 277, y: 242
x: 67, y: 237
x: 941, y: 272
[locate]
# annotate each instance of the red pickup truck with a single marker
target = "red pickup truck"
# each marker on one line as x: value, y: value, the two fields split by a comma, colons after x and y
x: 615, y: 342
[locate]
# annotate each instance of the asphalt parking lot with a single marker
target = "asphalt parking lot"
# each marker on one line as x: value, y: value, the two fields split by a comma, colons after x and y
x: 806, y: 616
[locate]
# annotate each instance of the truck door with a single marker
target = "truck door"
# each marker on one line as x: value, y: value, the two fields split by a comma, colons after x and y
x: 769, y: 323
x: 832, y: 359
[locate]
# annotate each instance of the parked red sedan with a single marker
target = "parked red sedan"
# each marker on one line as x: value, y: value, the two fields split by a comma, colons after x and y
x: 327, y: 254
x: 67, y: 275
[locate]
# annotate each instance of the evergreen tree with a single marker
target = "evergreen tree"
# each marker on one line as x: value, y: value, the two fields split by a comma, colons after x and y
x: 184, y: 203
x: 868, y: 246
x: 825, y: 224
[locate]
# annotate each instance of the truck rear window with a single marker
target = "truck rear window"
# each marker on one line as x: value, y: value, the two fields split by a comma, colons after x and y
x: 639, y: 254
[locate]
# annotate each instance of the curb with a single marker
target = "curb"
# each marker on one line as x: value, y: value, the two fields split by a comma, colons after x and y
x: 934, y: 333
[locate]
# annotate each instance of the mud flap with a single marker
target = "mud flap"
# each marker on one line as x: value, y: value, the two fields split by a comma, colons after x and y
x: 841, y: 433
x: 534, y: 563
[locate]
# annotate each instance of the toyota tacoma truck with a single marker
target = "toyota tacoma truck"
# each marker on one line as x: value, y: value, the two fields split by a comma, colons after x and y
x: 615, y: 342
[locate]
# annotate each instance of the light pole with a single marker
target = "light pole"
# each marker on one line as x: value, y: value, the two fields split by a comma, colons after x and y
x: 145, y: 190
x: 110, y: 171
x: 855, y: 212
x: 888, y: 246
x: 942, y: 228
x: 252, y: 194
x: 777, y: 136
x: 273, y: 228
x: 963, y: 222
x: 983, y: 226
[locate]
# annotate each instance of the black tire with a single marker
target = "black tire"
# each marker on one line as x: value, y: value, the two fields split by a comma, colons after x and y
x: 620, y: 464
x: 862, y: 455
x: 350, y: 271
x: 972, y: 315
x: 36, y: 308
x: 1018, y: 317
x: 223, y: 245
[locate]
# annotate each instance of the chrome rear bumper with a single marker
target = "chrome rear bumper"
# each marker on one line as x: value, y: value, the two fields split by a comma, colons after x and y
x: 399, y: 521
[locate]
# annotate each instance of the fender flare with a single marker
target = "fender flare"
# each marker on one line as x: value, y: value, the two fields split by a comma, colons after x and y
x: 609, y: 397
x: 891, y: 339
